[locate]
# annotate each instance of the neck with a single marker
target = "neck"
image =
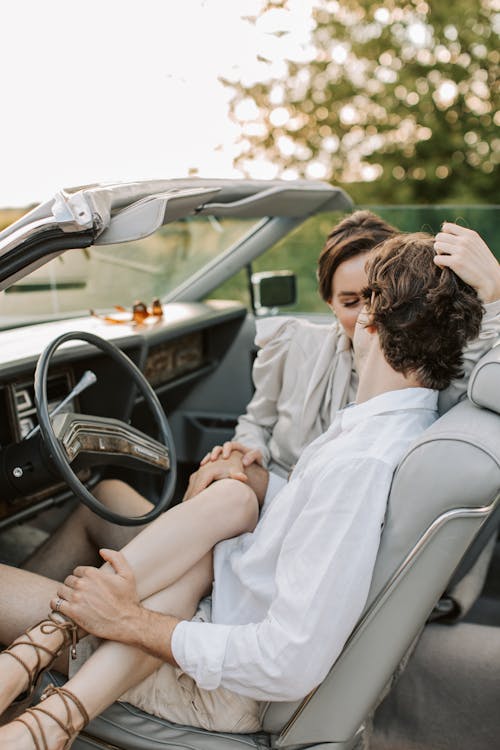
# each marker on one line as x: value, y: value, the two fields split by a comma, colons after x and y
x: 376, y: 376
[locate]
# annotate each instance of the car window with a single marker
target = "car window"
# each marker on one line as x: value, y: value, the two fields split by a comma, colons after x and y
x: 103, y: 276
x: 299, y: 251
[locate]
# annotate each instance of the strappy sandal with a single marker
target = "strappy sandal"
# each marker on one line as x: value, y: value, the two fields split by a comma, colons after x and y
x: 35, y: 673
x: 67, y: 726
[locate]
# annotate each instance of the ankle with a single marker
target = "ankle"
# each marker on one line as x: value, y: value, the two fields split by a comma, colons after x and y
x: 69, y: 630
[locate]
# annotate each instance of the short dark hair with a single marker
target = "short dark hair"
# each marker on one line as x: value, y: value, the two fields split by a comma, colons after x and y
x: 424, y: 314
x: 357, y: 233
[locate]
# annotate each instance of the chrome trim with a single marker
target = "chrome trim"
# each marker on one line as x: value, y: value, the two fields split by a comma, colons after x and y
x: 484, y: 510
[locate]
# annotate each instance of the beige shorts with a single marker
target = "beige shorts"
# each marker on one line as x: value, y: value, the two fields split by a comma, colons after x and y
x: 171, y: 694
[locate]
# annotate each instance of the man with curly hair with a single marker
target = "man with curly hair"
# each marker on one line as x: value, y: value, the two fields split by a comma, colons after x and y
x: 286, y: 596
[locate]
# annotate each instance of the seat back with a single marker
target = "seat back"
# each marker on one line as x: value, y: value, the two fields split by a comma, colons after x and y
x: 443, y: 493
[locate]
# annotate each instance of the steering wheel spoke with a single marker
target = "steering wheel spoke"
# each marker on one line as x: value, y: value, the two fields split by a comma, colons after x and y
x: 97, y: 440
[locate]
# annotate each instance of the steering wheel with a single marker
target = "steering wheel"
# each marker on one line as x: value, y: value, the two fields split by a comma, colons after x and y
x: 70, y: 435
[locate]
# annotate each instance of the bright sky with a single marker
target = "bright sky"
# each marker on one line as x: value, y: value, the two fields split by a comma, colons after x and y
x: 119, y: 89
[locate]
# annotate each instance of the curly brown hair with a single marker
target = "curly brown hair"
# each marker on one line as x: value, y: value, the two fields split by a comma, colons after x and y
x: 357, y: 233
x: 424, y: 314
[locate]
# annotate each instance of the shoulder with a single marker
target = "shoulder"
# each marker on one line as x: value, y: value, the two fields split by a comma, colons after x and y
x: 282, y: 330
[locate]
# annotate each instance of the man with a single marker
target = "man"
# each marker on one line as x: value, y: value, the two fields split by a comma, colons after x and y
x: 286, y: 596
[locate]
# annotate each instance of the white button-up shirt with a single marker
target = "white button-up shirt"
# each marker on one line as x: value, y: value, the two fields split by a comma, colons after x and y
x: 287, y: 596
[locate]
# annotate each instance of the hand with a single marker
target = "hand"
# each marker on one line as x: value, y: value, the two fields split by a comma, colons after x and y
x: 104, y: 602
x: 228, y: 468
x: 250, y: 455
x: 468, y: 255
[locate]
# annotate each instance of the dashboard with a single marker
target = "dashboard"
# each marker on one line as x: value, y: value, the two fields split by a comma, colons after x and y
x: 175, y: 355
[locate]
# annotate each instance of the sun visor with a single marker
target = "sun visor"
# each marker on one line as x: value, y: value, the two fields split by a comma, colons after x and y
x: 145, y: 216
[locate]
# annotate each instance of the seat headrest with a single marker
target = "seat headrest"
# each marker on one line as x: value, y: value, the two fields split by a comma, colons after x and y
x: 484, y: 381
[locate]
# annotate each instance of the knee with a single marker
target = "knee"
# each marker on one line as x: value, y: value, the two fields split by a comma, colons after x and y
x: 107, y: 488
x: 241, y: 502
x: 120, y: 497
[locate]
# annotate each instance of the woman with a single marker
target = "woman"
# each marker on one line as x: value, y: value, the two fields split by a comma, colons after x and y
x: 304, y: 372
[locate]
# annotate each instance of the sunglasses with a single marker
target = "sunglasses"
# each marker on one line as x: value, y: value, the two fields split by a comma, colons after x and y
x: 139, y: 315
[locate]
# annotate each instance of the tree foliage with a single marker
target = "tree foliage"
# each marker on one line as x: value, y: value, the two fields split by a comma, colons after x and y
x: 398, y: 102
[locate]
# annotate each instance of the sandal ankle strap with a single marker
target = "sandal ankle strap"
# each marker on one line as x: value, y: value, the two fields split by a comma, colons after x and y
x: 65, y: 694
x: 69, y: 628
x: 49, y: 626
x: 67, y: 725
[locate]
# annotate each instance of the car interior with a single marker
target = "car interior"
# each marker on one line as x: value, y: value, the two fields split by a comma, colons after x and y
x: 432, y: 619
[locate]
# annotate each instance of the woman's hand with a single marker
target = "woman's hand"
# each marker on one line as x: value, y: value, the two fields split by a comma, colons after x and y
x: 250, y: 455
x: 222, y: 468
x: 468, y: 255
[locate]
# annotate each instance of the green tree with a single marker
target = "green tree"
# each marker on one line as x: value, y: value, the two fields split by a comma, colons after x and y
x: 398, y: 102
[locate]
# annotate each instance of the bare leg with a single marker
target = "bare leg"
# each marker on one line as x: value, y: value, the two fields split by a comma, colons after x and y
x: 175, y: 541
x: 114, y: 667
x: 163, y: 552
x: 24, y: 600
x: 78, y: 539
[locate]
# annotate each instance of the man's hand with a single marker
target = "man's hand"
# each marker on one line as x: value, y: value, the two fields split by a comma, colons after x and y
x: 250, y: 455
x: 468, y: 255
x: 104, y: 602
x: 228, y: 468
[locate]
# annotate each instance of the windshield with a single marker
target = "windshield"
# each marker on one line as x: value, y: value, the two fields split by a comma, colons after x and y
x: 101, y: 277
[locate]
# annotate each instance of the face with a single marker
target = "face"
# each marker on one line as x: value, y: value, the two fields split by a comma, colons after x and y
x: 346, y: 300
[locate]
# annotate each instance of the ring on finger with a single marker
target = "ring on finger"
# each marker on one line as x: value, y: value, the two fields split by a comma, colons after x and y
x: 59, y: 603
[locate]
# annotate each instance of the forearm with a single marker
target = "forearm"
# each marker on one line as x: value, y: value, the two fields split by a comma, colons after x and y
x: 151, y: 632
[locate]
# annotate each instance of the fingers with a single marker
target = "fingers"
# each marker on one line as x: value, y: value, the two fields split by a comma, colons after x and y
x: 212, y: 455
x: 452, y: 228
x: 445, y: 243
x: 214, y: 452
x: 117, y: 561
x: 456, y: 229
x: 443, y: 260
x: 227, y: 449
x: 57, y: 604
x: 65, y: 594
x: 73, y: 581
x: 82, y: 571
x: 253, y: 456
x: 224, y: 451
x: 239, y: 475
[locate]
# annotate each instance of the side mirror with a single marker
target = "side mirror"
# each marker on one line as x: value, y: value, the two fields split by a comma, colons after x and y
x: 273, y: 289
